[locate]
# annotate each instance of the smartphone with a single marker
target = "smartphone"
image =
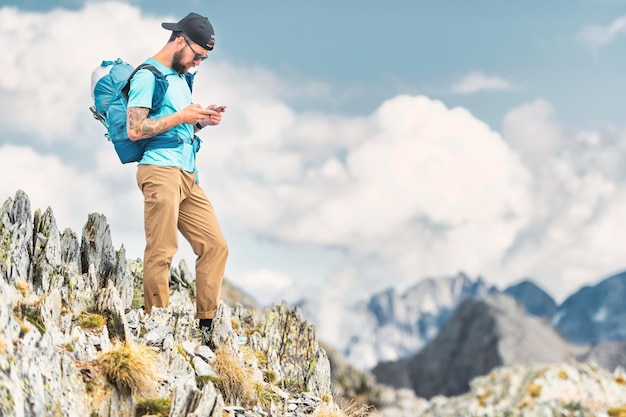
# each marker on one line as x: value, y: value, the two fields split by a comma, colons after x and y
x: 220, y: 108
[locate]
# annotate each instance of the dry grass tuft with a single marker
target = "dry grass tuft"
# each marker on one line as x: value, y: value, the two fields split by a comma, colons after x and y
x: 353, y: 409
x: 235, y: 381
x: 23, y: 288
x: 249, y: 353
x: 91, y: 321
x: 131, y: 368
x: 266, y: 395
x: 30, y: 313
x: 154, y: 406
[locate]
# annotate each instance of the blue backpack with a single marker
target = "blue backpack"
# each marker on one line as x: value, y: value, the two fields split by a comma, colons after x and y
x: 110, y: 85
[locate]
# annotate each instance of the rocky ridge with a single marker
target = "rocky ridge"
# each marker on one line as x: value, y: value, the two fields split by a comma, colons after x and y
x: 51, y: 357
x: 54, y: 352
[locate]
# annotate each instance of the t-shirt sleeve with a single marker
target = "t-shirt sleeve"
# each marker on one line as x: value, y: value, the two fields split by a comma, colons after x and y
x: 141, y: 89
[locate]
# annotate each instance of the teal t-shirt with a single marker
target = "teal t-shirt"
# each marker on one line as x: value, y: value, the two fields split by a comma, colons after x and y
x: 177, y: 97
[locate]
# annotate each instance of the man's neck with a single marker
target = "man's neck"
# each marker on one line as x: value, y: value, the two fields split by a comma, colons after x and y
x: 165, y: 56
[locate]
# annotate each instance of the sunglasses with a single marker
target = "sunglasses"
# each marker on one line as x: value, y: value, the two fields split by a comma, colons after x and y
x: 196, y: 55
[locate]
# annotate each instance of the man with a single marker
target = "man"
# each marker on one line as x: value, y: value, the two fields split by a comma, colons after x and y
x: 167, y: 174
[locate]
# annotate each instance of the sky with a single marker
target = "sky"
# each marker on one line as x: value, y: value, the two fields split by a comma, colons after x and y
x: 366, y: 145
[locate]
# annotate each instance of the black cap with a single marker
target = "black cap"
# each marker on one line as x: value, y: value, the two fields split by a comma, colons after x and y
x: 196, y: 27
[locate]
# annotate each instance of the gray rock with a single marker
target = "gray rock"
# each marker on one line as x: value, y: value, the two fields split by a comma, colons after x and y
x: 156, y: 336
x: 47, y: 268
x: 202, y: 368
x: 16, y: 237
x: 110, y: 304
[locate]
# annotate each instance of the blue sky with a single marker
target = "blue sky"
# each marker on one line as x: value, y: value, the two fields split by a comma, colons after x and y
x: 366, y: 144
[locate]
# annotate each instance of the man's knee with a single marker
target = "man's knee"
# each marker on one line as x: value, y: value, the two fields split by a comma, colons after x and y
x: 221, y: 246
x: 214, y: 247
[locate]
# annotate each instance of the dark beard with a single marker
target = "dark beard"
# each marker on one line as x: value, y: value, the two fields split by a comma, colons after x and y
x: 176, y: 64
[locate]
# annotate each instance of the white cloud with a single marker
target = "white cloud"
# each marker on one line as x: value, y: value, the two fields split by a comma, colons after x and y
x: 602, y: 35
x: 417, y: 184
x: 268, y: 286
x: 477, y: 81
x: 70, y: 44
x: 530, y: 130
x: 578, y: 201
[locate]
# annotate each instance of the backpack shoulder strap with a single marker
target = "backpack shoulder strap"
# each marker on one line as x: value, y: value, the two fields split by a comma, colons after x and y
x: 189, y: 77
x: 160, y: 85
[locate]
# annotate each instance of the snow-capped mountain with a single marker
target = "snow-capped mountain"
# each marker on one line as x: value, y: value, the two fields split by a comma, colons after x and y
x: 392, y: 325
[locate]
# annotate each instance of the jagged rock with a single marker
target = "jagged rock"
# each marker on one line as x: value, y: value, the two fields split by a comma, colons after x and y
x: 16, y: 237
x: 82, y: 290
x: 110, y: 304
x: 189, y: 401
x: 293, y: 340
x: 70, y: 247
x: 97, y: 250
x: 182, y: 277
x: 202, y: 368
x: 34, y: 378
x: 47, y: 268
x: 318, y: 377
x: 49, y: 365
x: 222, y: 335
x: 179, y: 317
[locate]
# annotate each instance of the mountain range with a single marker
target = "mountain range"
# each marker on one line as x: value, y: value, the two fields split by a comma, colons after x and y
x: 392, y: 326
x: 482, y: 335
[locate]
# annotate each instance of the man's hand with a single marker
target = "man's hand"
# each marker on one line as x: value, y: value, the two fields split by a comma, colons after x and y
x: 140, y: 126
x: 215, y: 116
x: 194, y: 113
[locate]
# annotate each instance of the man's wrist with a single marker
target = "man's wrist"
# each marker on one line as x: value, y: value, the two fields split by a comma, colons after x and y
x: 199, y: 125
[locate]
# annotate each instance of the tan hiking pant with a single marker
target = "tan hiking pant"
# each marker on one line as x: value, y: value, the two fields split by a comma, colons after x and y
x: 173, y: 201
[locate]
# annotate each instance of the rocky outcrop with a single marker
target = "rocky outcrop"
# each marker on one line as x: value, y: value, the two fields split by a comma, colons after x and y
x: 566, y: 389
x: 51, y: 356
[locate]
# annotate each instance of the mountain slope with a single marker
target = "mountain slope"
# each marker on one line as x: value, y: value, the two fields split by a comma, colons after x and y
x: 594, y: 313
x: 398, y: 325
x: 482, y: 335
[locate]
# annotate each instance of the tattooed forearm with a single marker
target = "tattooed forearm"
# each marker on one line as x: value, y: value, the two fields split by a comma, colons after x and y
x: 141, y: 126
